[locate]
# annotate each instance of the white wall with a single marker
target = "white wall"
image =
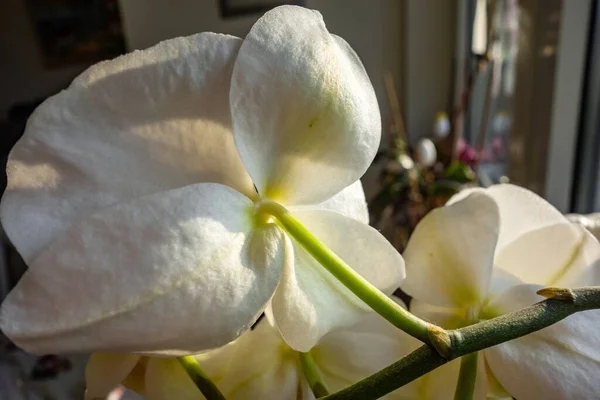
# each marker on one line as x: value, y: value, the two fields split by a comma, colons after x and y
x: 149, y: 22
x: 23, y: 76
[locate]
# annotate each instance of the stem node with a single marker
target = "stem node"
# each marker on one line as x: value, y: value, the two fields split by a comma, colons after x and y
x: 440, y: 340
x: 555, y: 293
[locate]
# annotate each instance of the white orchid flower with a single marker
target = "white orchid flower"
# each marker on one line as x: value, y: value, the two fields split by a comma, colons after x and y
x: 133, y: 194
x: 485, y: 254
x: 154, y: 378
x: 258, y: 365
x: 272, y: 370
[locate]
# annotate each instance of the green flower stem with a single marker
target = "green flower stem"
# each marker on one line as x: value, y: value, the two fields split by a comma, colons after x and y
x: 202, y: 381
x: 368, y: 293
x: 311, y: 373
x: 560, y: 304
x: 465, y: 386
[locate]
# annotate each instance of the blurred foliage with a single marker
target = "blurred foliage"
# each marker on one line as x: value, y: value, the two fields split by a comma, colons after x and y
x: 409, y: 190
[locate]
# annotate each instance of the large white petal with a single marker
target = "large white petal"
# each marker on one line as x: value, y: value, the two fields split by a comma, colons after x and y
x: 502, y: 280
x: 145, y: 122
x: 449, y: 257
x: 166, y: 379
x: 563, y: 254
x: 309, y: 302
x: 521, y: 211
x: 348, y: 355
x: 558, y: 362
x: 258, y: 365
x: 350, y: 202
x: 179, y: 271
x: 305, y: 116
x: 106, y: 371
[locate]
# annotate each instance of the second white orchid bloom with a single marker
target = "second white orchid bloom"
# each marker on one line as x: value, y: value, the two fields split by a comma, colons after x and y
x: 258, y: 365
x: 132, y: 195
x: 486, y: 254
x: 272, y: 370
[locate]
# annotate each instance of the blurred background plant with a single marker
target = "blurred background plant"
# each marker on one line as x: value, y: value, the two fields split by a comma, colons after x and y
x: 466, y: 144
x: 413, y: 179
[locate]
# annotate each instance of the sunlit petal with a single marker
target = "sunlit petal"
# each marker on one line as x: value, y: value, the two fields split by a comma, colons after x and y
x: 147, y: 275
x: 563, y: 254
x: 259, y: 365
x: 449, y: 257
x: 521, y: 211
x: 305, y: 116
x: 145, y: 122
x: 349, y: 202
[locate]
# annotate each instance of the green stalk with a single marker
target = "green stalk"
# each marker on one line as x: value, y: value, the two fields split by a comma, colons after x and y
x: 368, y: 293
x: 201, y: 380
x: 560, y: 303
x: 311, y: 373
x: 465, y: 387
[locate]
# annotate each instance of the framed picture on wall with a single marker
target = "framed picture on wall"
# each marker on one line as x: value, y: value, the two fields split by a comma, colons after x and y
x: 76, y: 32
x: 236, y: 8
